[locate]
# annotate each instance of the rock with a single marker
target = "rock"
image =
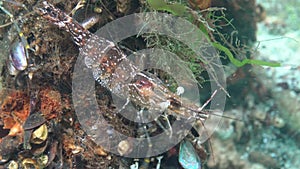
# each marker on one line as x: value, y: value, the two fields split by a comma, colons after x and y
x: 289, y: 107
x: 264, y: 159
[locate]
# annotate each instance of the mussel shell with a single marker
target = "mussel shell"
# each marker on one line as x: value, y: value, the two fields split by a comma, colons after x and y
x: 11, y: 69
x: 3, y: 160
x: 34, y: 120
x: 188, y: 157
x: 125, y: 147
x: 55, y: 157
x: 13, y: 165
x: 39, y: 149
x: 27, y: 136
x: 18, y: 55
x: 39, y: 135
x: 29, y: 163
x: 43, y: 160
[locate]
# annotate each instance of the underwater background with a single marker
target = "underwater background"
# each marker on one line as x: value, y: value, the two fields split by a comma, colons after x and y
x: 268, y: 135
x: 259, y: 128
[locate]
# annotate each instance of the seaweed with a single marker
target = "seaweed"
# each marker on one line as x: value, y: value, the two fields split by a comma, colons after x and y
x: 178, y: 9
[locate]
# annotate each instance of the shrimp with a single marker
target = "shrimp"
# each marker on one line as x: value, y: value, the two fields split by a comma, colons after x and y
x: 112, y: 69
